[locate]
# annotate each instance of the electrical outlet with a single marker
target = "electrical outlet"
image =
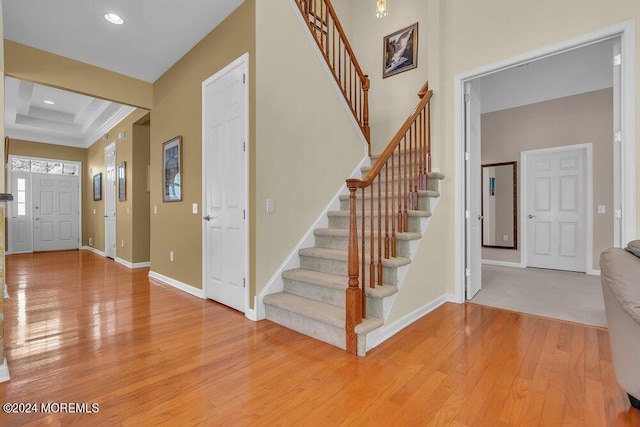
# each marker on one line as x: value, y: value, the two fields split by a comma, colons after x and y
x: 505, y: 237
x: 602, y: 209
x: 122, y: 243
x: 91, y: 240
x: 170, y: 255
x: 155, y: 209
x: 271, y: 205
x: 128, y: 210
x: 94, y: 211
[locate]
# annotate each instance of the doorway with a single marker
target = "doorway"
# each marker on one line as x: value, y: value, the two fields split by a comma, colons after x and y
x: 624, y: 165
x: 110, y: 201
x: 225, y: 185
x: 45, y: 213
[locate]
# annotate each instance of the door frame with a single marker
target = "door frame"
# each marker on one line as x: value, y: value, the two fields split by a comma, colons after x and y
x: 242, y: 61
x: 626, y: 169
x: 588, y: 202
x: 10, y: 189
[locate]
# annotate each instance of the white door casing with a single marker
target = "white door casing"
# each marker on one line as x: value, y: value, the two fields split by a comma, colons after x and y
x: 556, y: 227
x: 21, y: 220
x: 474, y: 184
x: 225, y: 192
x: 55, y: 212
x: 110, y: 201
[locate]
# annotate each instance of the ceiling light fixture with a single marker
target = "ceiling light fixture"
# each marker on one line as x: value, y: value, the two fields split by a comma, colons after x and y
x: 113, y: 18
x: 49, y: 102
x: 381, y: 8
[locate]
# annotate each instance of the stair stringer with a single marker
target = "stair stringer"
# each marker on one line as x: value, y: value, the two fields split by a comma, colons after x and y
x: 292, y: 261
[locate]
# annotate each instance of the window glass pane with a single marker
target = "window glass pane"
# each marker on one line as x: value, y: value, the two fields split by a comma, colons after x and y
x: 20, y: 165
x: 22, y: 198
x: 70, y: 169
x: 55, y: 168
x: 38, y: 166
x: 21, y: 184
x: 22, y: 210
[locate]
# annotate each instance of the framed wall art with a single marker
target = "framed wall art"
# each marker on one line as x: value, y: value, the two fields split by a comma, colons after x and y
x: 172, y: 170
x: 400, y: 51
x: 97, y: 186
x: 122, y: 181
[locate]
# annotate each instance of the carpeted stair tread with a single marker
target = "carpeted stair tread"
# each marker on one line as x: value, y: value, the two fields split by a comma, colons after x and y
x: 343, y: 232
x: 367, y: 194
x: 335, y: 281
x: 337, y: 255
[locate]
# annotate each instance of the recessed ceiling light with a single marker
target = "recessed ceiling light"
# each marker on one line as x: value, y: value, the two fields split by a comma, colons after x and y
x: 113, y: 18
x: 48, y: 102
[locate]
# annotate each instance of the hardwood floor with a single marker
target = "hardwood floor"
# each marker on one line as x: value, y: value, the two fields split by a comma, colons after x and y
x: 81, y: 328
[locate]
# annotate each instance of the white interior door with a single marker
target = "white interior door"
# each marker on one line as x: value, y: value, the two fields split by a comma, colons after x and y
x: 555, y: 210
x: 21, y: 224
x: 55, y: 211
x: 474, y: 189
x: 225, y: 185
x: 110, y: 201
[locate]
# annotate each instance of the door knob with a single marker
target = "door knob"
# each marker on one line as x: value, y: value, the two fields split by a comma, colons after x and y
x: 206, y: 218
x: 531, y: 216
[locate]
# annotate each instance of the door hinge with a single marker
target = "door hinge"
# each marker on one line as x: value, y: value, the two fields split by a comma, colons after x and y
x: 244, y: 78
x: 617, y: 214
x: 617, y: 59
x: 467, y: 155
x: 466, y: 97
x: 617, y: 137
x: 467, y: 272
x: 467, y: 214
x: 244, y: 214
x: 244, y: 145
x: 244, y: 283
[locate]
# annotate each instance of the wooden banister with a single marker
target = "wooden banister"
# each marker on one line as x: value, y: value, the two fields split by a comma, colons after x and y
x: 392, y: 187
x: 330, y: 37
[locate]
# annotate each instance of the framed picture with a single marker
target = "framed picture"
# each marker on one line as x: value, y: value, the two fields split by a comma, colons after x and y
x: 122, y: 181
x: 172, y: 170
x: 400, y: 51
x: 97, y: 186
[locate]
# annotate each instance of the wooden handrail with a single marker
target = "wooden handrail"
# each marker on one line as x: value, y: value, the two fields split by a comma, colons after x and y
x: 330, y: 37
x: 393, y: 183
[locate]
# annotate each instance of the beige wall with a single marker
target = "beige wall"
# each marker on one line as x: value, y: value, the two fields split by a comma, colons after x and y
x: 177, y: 110
x: 138, y: 187
x: 37, y: 66
x: 306, y: 144
x: 579, y: 119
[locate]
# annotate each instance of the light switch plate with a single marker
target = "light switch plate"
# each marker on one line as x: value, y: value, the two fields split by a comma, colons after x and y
x: 602, y: 209
x: 271, y: 205
x: 194, y: 208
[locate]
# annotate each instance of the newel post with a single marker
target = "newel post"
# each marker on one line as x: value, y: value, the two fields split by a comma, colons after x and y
x: 353, y: 296
x: 366, y: 130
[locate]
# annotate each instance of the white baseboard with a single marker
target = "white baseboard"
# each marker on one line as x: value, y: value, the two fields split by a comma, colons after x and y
x: 276, y: 284
x: 593, y: 272
x: 503, y: 263
x: 133, y: 264
x: 94, y: 250
x: 251, y: 314
x: 177, y: 284
x: 379, y: 336
x: 4, y: 371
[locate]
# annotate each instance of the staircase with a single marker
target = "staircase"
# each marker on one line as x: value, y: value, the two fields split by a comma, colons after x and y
x: 313, y: 300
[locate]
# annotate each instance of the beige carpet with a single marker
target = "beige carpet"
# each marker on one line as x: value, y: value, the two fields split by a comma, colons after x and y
x: 563, y: 295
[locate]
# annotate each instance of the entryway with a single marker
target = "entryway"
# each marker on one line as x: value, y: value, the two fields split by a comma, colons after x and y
x: 45, y: 212
x: 225, y: 185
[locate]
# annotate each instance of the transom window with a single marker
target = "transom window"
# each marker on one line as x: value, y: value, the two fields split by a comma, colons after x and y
x: 43, y: 166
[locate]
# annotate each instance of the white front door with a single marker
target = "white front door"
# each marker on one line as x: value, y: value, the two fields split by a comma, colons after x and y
x: 21, y: 224
x: 55, y: 212
x: 110, y: 201
x: 555, y: 197
x: 225, y: 185
x: 474, y: 189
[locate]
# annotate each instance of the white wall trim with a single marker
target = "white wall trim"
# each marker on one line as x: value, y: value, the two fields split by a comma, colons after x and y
x: 503, y: 263
x: 4, y: 371
x: 243, y: 63
x: 332, y: 79
x: 588, y: 156
x: 378, y: 336
x: 176, y: 284
x: 133, y: 265
x: 94, y: 250
x: 626, y: 31
x: 276, y: 284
